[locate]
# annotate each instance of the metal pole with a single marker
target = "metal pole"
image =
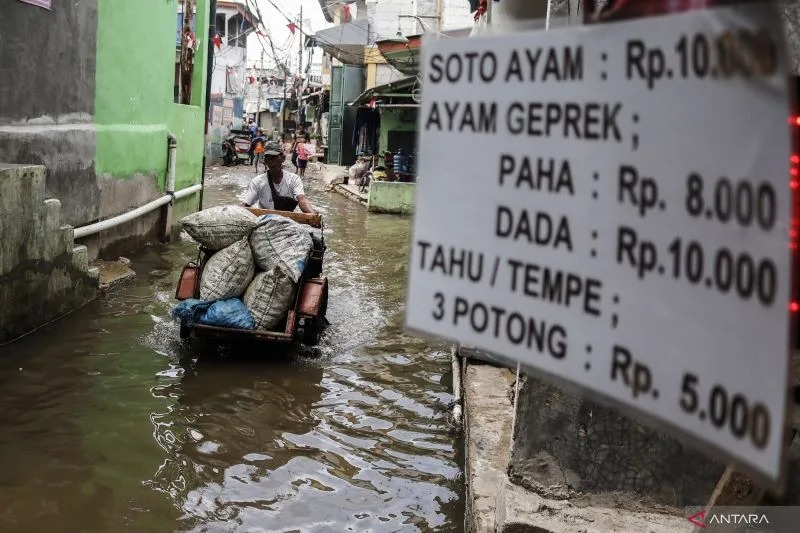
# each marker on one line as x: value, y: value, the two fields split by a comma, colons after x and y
x: 300, y: 71
x: 209, y: 74
x: 547, y: 19
x: 283, y: 108
x: 258, y: 80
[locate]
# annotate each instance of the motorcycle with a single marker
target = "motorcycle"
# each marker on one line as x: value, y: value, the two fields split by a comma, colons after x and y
x: 236, y: 149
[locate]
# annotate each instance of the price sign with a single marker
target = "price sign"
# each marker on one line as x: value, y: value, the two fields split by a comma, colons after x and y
x: 611, y: 205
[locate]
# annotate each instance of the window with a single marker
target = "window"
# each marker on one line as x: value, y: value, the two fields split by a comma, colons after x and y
x: 220, y: 24
x: 185, y: 51
x: 237, y: 31
x: 233, y: 30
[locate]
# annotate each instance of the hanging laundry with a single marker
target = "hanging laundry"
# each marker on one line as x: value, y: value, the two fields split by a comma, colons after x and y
x: 367, y: 130
x: 481, y: 9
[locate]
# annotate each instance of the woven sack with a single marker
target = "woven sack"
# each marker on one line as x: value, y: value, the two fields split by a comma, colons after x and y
x: 269, y: 298
x: 228, y: 272
x: 281, y: 242
x: 219, y: 227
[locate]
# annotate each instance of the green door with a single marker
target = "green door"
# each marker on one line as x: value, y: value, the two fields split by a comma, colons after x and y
x: 347, y: 83
x: 335, y: 117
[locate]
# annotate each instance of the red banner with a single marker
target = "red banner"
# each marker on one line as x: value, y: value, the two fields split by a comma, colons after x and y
x: 41, y: 3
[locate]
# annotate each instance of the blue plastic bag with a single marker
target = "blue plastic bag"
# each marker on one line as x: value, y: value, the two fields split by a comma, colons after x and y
x: 230, y: 313
x: 190, y: 311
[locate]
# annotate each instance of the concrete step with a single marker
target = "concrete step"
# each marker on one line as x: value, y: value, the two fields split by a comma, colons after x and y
x: 80, y: 258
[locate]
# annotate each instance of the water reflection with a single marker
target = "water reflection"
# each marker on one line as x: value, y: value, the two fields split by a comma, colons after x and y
x: 114, y: 425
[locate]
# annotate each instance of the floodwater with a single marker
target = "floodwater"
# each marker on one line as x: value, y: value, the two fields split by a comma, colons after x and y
x: 109, y: 423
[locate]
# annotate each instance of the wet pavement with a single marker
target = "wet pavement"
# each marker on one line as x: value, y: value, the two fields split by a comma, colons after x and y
x: 110, y: 423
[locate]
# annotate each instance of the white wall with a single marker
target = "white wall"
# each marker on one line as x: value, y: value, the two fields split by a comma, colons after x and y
x: 386, y: 73
x: 455, y: 15
x: 385, y: 22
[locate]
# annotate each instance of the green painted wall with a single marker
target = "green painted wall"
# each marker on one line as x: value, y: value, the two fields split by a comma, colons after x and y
x: 391, y: 197
x: 134, y: 105
x: 397, y: 119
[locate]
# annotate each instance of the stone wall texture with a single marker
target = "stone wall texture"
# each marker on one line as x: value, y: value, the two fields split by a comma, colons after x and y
x: 42, y: 275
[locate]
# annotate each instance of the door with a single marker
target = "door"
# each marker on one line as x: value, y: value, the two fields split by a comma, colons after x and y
x: 347, y: 83
x: 335, y: 116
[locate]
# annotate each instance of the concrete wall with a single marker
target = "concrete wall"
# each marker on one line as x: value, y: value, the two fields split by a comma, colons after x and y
x: 135, y: 111
x: 396, y: 119
x: 455, y: 14
x: 89, y: 94
x: 565, y: 444
x: 391, y: 197
x: 47, y: 62
x: 92, y: 101
x: 42, y: 276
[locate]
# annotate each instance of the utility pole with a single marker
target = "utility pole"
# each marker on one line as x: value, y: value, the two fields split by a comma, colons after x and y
x: 283, y: 107
x: 300, y: 66
x: 260, y: 85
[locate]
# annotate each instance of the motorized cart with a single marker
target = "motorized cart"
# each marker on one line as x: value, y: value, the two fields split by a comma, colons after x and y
x: 305, y: 320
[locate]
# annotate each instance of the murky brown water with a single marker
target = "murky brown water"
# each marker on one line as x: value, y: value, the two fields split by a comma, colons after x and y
x: 110, y: 424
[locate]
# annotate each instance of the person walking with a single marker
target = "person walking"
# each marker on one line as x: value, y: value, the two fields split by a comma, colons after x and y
x: 258, y: 145
x: 302, y: 156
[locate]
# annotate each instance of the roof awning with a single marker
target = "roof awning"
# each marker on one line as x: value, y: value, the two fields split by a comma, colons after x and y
x: 345, y: 42
x: 403, y: 88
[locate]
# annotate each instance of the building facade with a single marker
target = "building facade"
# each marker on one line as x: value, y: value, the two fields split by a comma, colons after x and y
x: 96, y: 110
x: 354, y: 50
x: 233, y: 23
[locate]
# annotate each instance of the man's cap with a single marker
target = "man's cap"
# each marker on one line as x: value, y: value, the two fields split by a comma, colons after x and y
x: 273, y: 148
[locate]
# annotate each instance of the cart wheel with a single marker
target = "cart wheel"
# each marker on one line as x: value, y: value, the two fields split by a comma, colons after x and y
x: 313, y: 332
x: 323, y: 308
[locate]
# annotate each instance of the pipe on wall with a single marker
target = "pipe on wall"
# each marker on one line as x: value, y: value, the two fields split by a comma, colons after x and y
x: 172, y: 150
x: 456, y: 368
x: 97, y: 227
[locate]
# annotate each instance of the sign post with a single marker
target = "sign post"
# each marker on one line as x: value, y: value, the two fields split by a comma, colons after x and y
x: 611, y: 206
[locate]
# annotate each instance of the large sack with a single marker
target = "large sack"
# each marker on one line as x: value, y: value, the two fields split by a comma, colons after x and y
x: 282, y: 242
x: 228, y: 272
x: 269, y: 297
x: 219, y: 227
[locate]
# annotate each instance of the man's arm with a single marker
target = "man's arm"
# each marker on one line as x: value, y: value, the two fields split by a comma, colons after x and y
x: 305, y: 205
x: 299, y: 194
x: 251, y: 196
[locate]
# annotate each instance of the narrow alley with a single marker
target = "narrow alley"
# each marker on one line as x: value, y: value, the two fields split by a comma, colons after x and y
x: 109, y: 400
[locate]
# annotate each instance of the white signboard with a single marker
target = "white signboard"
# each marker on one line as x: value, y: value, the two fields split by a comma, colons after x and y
x: 611, y: 205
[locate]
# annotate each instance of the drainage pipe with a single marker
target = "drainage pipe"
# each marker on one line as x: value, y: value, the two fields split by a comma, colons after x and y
x: 172, y: 149
x: 103, y: 225
x: 456, y: 365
